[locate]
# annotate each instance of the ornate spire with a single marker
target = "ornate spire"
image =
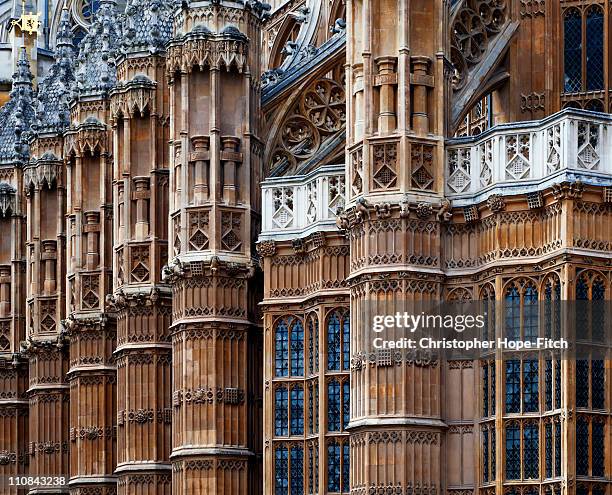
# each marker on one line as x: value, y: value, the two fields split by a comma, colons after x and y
x: 52, y: 112
x: 147, y: 25
x: 95, y: 68
x: 17, y: 115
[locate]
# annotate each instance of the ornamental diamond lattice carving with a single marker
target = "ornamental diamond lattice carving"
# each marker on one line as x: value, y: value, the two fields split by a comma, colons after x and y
x: 486, y: 163
x: 198, y: 230
x: 588, y: 141
x: 518, y: 164
x: 385, y: 165
x: 553, y: 148
x: 283, y: 207
x: 422, y: 166
x: 459, y: 169
x: 336, y: 194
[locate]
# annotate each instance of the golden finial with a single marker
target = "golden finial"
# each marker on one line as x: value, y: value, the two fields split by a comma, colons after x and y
x: 28, y: 22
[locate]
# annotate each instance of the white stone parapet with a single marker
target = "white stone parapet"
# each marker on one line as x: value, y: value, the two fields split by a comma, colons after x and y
x: 523, y: 157
x: 296, y: 206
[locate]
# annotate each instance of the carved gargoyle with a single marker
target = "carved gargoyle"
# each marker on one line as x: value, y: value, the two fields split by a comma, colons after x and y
x: 444, y: 212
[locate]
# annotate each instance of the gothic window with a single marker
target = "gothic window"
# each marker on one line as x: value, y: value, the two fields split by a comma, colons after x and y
x: 558, y: 384
x: 485, y: 389
x: 346, y: 409
x: 313, y: 468
x: 281, y: 470
x: 557, y: 448
x: 337, y: 466
x: 530, y: 385
x: 488, y: 309
x: 590, y: 383
x: 513, y: 313
x: 572, y: 35
x: 530, y: 313
x: 513, y: 386
x: 597, y: 453
x: 338, y: 341
x: 582, y: 383
x: 597, y: 384
x: 281, y: 408
x: 552, y: 453
x: 492, y: 450
x: 548, y: 385
x: 582, y: 447
x: 313, y: 407
x: 530, y: 451
x: 333, y: 405
x: 297, y: 470
x: 513, y: 452
x: 594, y: 49
x: 297, y: 410
x: 552, y: 309
x: 289, y: 347
x: 313, y: 344
x: 548, y: 454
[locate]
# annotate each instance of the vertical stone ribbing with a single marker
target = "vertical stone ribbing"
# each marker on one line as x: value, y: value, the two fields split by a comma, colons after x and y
x: 214, y: 71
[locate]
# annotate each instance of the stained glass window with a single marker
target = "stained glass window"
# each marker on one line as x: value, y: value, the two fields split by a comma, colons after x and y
x: 530, y: 385
x: 297, y: 410
x: 513, y: 316
x: 281, y: 470
x: 297, y: 349
x: 513, y: 452
x: 582, y: 447
x: 281, y: 408
x: 513, y: 386
x: 297, y: 470
x: 598, y: 449
x: 333, y: 466
x: 572, y: 35
x: 281, y: 348
x: 531, y: 451
x: 594, y: 49
x: 333, y: 406
x: 530, y: 320
x: 346, y: 404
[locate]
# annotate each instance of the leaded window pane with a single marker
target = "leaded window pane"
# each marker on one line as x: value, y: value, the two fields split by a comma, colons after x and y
x: 598, y: 449
x: 281, y: 348
x: 346, y: 343
x: 548, y: 384
x: 572, y: 35
x: 297, y: 349
x: 281, y: 408
x: 513, y: 313
x: 582, y: 447
x: 281, y: 470
x: 334, y: 342
x: 333, y: 406
x: 493, y: 464
x: 530, y: 385
x: 485, y: 455
x: 531, y: 451
x: 597, y: 384
x: 558, y: 384
x: 297, y: 410
x: 530, y: 320
x: 513, y: 386
x: 492, y: 399
x: 582, y: 383
x: 594, y: 49
x: 346, y: 404
x: 548, y: 434
x: 346, y: 464
x: 513, y: 453
x: 333, y: 467
x: 297, y: 470
x: 557, y: 449
x: 485, y: 390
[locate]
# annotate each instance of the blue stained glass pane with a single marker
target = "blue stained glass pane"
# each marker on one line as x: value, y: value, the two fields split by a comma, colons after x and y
x: 572, y: 34
x: 594, y: 49
x: 530, y: 320
x: 346, y: 404
x: 281, y: 348
x: 281, y: 472
x: 346, y: 343
x: 297, y: 349
x: 513, y: 453
x: 333, y: 406
x: 297, y: 470
x: 333, y: 342
x: 531, y: 451
x: 513, y: 313
x: 89, y: 8
x: 513, y: 386
x: 346, y: 463
x: 297, y: 410
x: 333, y: 467
x: 530, y: 385
x: 281, y: 408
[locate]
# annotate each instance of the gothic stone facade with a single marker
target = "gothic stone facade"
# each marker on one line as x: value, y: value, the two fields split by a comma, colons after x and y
x: 197, y: 205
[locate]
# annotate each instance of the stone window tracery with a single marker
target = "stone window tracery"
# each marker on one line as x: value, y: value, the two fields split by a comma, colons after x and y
x: 289, y: 347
